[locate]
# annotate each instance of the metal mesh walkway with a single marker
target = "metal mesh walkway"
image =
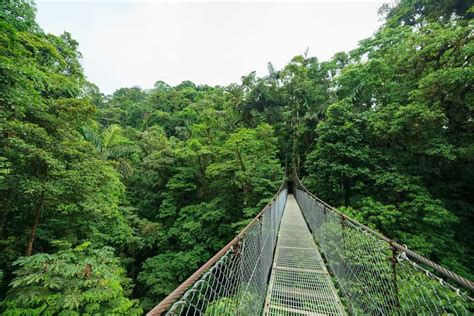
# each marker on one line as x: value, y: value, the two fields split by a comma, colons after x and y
x: 375, y: 275
x: 300, y: 283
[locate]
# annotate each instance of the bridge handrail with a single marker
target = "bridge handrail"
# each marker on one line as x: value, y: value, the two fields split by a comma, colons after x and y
x: 167, y: 302
x: 401, y: 248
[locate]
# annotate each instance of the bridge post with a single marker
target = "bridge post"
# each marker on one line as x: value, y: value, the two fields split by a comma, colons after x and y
x: 394, y: 262
x: 343, y: 227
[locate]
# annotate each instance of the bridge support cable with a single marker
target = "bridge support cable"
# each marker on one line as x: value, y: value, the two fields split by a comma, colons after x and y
x: 300, y: 283
x: 234, y: 281
x: 376, y: 275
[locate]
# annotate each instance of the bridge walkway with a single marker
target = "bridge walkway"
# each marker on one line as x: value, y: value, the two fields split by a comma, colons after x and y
x: 299, y: 283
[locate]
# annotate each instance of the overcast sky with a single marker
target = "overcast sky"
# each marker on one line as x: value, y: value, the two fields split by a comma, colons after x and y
x: 135, y: 43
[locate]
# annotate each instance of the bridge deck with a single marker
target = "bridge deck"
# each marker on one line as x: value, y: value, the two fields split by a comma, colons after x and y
x: 299, y: 283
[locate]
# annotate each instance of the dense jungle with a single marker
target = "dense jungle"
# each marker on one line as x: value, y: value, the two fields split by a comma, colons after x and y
x: 135, y: 190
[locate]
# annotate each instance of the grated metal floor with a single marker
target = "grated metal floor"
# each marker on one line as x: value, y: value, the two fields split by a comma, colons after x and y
x: 299, y: 283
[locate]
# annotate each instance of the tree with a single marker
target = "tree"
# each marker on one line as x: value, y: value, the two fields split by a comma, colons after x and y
x: 19, y: 13
x: 51, y: 183
x: 161, y: 274
x: 74, y: 282
x: 112, y: 146
x: 395, y: 146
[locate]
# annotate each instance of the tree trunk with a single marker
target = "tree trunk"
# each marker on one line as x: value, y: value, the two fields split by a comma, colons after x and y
x: 31, y: 237
x: 4, y: 218
x: 247, y: 185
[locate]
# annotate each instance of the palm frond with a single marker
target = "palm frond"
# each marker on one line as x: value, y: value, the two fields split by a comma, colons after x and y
x: 110, y: 134
x: 120, y: 151
x: 92, y: 137
x: 124, y: 168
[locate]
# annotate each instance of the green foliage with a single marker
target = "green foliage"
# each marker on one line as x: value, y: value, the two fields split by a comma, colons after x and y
x: 231, y: 305
x: 20, y: 13
x: 112, y: 146
x: 72, y: 282
x: 161, y: 274
x: 199, y: 176
x: 54, y: 191
x: 200, y: 208
x: 226, y: 306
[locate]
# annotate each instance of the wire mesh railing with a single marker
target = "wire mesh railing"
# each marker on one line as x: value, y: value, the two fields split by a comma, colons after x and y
x: 234, y: 281
x: 377, y: 275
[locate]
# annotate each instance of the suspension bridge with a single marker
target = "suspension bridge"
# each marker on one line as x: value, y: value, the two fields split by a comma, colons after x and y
x: 300, y: 256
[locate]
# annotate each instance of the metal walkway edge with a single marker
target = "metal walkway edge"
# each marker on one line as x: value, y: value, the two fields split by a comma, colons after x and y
x: 299, y: 283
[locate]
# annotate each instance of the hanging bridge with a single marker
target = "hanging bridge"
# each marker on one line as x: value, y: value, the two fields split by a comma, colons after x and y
x: 300, y: 256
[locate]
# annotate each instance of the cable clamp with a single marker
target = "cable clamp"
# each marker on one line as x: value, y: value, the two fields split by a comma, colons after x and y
x: 403, y: 255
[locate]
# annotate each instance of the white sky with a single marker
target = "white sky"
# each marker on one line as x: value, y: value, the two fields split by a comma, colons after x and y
x: 132, y: 43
